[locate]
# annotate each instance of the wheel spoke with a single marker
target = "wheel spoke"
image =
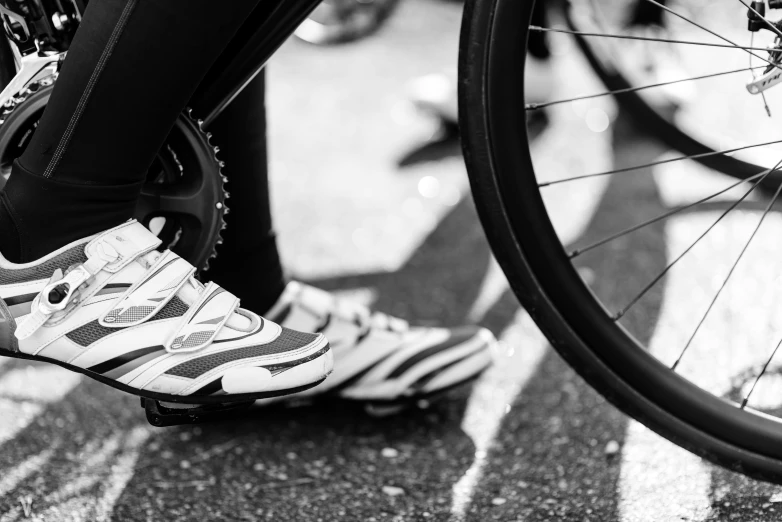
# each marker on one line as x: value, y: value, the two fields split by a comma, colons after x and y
x: 536, y: 106
x: 762, y: 372
x: 577, y: 252
x: 754, y: 77
x: 699, y: 26
x: 655, y: 163
x: 730, y: 273
x: 670, y: 265
x: 650, y: 39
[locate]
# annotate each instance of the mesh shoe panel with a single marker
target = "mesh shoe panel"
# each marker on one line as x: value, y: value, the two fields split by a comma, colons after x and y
x: 131, y: 315
x: 91, y: 332
x: 74, y: 256
x: 287, y: 340
x: 193, y: 340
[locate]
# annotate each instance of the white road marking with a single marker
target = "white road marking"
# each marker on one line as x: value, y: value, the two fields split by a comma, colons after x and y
x: 88, y: 473
x: 90, y: 491
x: 36, y: 383
x: 121, y: 473
x: 661, y: 481
x: 16, y: 475
x: 16, y: 416
x: 736, y: 336
x: 493, y: 286
x: 12, y: 515
x: 25, y: 392
x: 523, y: 347
x: 658, y: 480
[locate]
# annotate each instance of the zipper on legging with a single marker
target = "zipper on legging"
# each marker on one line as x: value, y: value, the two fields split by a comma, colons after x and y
x: 107, y: 51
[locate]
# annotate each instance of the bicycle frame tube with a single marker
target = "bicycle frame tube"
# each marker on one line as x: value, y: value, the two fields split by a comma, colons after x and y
x: 264, y: 31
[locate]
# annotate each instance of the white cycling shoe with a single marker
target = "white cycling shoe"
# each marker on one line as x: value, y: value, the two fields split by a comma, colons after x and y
x: 380, y: 360
x: 117, y: 310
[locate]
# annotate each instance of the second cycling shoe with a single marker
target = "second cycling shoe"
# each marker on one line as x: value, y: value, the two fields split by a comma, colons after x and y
x: 381, y: 360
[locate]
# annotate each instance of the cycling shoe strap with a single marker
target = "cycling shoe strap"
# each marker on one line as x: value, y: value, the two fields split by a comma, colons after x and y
x: 151, y: 293
x: 204, y: 320
x: 110, y: 251
x: 128, y: 241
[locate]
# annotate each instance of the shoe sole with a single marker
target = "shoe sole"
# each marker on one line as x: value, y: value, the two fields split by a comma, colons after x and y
x: 383, y: 409
x: 431, y: 397
x: 482, y: 359
x: 324, y: 351
x: 402, y: 404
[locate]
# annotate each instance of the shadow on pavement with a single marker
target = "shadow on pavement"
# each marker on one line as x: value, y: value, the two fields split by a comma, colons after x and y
x: 443, y: 144
x: 445, y: 141
x: 325, y: 461
x: 550, y: 460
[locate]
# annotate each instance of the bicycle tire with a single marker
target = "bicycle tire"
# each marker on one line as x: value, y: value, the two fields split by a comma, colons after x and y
x: 491, y: 87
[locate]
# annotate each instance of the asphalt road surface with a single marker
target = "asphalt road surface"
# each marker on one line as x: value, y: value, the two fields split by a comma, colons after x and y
x: 367, y: 204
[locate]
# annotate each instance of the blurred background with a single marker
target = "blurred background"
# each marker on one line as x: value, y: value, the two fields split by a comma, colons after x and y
x: 371, y: 199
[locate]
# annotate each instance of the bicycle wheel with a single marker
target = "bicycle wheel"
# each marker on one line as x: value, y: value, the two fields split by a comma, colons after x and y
x: 673, y: 119
x: 667, y: 377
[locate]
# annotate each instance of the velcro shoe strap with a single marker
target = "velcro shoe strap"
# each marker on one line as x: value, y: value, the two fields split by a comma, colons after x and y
x: 151, y: 293
x: 121, y: 245
x: 204, y: 320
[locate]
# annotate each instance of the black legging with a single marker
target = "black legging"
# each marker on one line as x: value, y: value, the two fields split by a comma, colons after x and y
x: 248, y: 263
x: 131, y: 70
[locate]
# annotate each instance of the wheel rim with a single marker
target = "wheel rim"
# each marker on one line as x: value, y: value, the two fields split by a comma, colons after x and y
x: 184, y: 186
x: 573, y: 299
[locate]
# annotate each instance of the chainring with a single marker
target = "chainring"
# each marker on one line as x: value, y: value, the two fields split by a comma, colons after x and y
x: 183, y: 200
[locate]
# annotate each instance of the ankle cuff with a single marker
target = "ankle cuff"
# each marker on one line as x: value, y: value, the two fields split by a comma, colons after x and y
x: 24, y: 183
x: 50, y: 213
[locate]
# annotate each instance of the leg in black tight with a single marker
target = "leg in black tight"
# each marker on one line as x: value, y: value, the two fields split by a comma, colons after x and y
x: 248, y: 264
x: 130, y: 71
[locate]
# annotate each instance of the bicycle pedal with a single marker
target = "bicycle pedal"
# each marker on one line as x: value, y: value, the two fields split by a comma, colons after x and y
x: 171, y: 414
